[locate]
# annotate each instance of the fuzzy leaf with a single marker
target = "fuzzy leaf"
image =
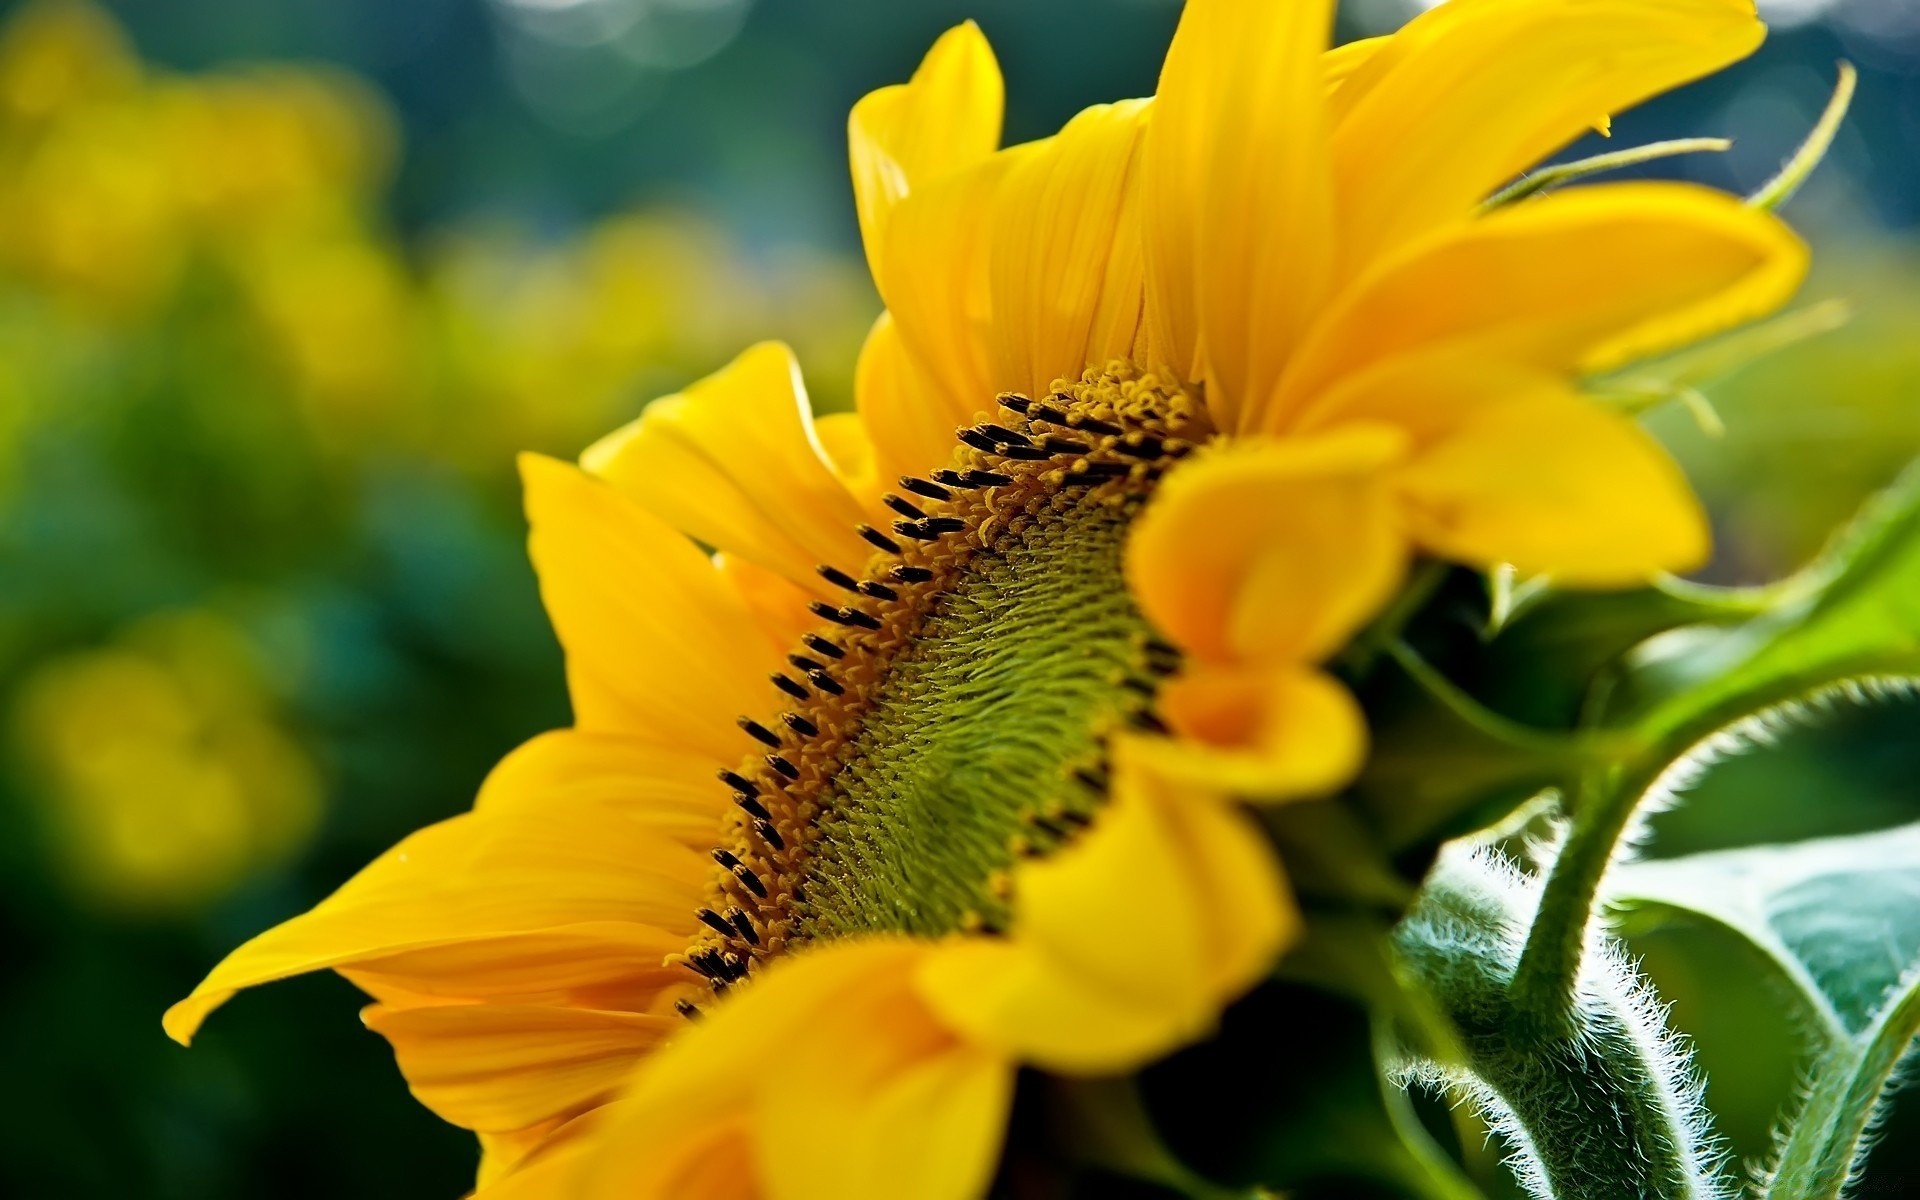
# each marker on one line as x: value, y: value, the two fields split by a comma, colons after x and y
x: 1839, y: 919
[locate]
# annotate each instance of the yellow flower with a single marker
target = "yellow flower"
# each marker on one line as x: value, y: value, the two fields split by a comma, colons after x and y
x: 165, y: 777
x: 1255, y: 344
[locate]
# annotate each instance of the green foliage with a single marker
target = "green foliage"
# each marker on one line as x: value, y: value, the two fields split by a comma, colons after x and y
x: 1838, y: 919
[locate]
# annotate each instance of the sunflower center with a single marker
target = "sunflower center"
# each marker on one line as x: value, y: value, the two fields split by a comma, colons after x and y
x: 952, y: 716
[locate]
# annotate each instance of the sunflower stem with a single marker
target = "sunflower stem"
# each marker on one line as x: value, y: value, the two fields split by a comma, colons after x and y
x: 1381, y: 636
x: 1545, y: 979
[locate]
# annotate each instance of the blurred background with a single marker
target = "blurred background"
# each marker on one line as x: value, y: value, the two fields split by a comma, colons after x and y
x: 284, y: 287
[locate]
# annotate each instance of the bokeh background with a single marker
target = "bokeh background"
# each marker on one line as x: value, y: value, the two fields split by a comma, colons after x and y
x: 285, y: 286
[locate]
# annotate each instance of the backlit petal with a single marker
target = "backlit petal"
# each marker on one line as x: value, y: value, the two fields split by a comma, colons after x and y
x: 734, y: 461
x: 651, y: 631
x: 1470, y: 94
x: 902, y: 137
x: 1271, y: 551
x: 1573, y: 281
x: 1238, y: 206
x: 1058, y: 232
x: 936, y: 282
x: 909, y: 416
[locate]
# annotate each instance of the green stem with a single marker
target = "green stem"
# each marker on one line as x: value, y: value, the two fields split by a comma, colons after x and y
x: 1381, y: 636
x: 1599, y: 1109
x: 1545, y: 980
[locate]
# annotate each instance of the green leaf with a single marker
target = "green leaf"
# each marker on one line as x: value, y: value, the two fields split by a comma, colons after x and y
x: 1839, y: 920
x: 1853, y: 615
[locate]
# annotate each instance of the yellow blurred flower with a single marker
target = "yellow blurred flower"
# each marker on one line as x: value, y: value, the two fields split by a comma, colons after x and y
x: 111, y: 179
x: 160, y: 765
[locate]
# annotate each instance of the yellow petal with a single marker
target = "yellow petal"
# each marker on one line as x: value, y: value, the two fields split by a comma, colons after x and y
x: 734, y: 461
x: 1341, y: 63
x: 473, y: 878
x: 1058, y: 233
x: 502, y: 1153
x: 560, y: 963
x: 542, y: 1163
x: 1239, y: 197
x: 908, y: 135
x: 1576, y: 280
x: 1271, y: 551
x: 642, y: 615
x: 909, y: 416
x: 1259, y: 733
x: 1128, y: 943
x: 895, y: 1105
x: 1474, y: 92
x: 671, y: 791
x: 1559, y: 486
x: 850, y: 450
x: 779, y: 606
x: 936, y: 283
x: 504, y: 1067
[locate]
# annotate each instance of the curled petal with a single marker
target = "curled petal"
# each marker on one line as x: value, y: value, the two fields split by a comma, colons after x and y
x: 1272, y: 551
x: 1259, y: 733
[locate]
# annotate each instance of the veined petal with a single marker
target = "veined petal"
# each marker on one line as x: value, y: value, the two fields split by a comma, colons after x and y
x: 937, y: 285
x: 641, y: 613
x: 1578, y: 280
x: 897, y: 1105
x: 1555, y: 485
x: 1259, y: 733
x: 472, y: 878
x: 1238, y: 209
x: 499, y: 1067
x: 902, y: 137
x: 734, y: 461
x: 1470, y: 94
x: 1057, y: 233
x: 1271, y: 551
x: 1127, y: 943
x: 561, y: 963
x: 910, y: 416
x: 670, y: 791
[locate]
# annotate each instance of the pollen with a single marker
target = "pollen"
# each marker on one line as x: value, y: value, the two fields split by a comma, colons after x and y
x: 949, y: 718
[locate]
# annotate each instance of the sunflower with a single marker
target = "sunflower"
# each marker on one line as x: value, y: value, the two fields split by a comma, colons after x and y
x: 985, y: 714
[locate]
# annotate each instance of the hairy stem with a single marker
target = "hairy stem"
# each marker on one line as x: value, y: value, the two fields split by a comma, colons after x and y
x: 1543, y: 983
x: 1602, y: 1108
